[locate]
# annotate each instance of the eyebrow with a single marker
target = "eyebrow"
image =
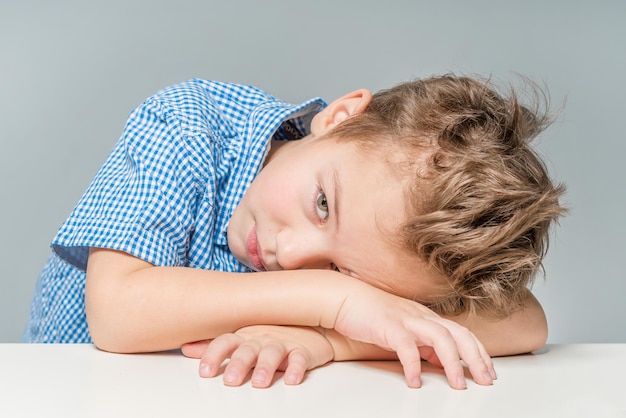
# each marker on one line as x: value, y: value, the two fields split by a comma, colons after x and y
x: 338, y: 189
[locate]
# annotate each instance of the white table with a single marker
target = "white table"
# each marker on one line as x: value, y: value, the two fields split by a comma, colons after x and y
x: 587, y: 380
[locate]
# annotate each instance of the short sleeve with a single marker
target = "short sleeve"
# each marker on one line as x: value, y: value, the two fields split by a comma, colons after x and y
x: 143, y: 200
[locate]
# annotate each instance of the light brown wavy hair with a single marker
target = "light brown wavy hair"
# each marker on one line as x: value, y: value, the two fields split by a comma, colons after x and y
x: 481, y: 202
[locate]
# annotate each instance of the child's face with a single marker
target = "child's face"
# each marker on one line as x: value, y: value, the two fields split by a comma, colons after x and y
x: 320, y: 204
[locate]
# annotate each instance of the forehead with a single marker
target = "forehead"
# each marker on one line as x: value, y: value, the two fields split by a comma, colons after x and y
x: 373, y: 207
x: 372, y: 259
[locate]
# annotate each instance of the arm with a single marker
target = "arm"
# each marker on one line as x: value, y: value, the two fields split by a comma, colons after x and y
x: 524, y: 331
x: 294, y: 350
x: 258, y: 351
x: 133, y: 306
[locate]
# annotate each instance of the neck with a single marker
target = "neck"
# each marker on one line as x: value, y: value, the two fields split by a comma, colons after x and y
x: 276, y: 148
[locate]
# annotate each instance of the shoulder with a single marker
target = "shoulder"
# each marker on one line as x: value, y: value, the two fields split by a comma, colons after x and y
x: 196, y: 104
x: 199, y: 93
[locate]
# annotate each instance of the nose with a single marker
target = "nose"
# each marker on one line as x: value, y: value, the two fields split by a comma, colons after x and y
x: 300, y: 251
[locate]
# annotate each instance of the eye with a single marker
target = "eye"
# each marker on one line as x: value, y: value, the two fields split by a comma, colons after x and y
x: 321, y: 206
x: 335, y: 268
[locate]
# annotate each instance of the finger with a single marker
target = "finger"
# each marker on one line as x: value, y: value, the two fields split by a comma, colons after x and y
x: 473, y: 356
x: 269, y: 359
x: 430, y: 356
x: 441, y: 340
x: 242, y: 361
x: 216, y: 352
x: 408, y: 354
x: 195, y: 349
x: 472, y: 352
x: 297, y: 365
x: 487, y: 358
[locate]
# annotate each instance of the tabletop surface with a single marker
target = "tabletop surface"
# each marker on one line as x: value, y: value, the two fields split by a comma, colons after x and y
x: 578, y: 380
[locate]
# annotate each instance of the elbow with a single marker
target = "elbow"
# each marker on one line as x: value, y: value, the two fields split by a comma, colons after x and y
x: 106, y: 330
x: 114, y: 324
x: 106, y: 340
x: 529, y: 329
x: 112, y: 302
x: 110, y: 322
x: 526, y: 330
x: 537, y: 335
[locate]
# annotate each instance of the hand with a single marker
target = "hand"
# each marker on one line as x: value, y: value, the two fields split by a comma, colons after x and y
x: 413, y: 331
x: 264, y: 350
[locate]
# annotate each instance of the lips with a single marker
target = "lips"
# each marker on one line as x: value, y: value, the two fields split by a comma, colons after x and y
x: 254, y: 250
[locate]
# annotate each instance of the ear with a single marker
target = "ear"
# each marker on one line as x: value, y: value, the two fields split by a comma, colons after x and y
x: 339, y: 110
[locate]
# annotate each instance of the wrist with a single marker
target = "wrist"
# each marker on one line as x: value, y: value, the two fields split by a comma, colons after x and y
x: 345, y: 349
x: 324, y: 292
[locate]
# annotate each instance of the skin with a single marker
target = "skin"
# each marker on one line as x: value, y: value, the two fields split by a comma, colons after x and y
x: 258, y: 352
x: 330, y: 286
x: 334, y: 208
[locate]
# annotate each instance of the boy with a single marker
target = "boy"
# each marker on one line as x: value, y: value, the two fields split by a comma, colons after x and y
x: 350, y: 215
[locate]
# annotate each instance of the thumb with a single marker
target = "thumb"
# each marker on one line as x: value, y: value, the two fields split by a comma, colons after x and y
x: 195, y: 349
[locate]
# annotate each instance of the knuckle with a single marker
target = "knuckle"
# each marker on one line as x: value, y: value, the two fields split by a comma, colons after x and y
x: 441, y: 334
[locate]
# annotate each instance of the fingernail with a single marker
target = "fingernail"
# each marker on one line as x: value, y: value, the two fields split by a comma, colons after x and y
x: 291, y: 379
x: 416, y: 382
x: 493, y: 374
x: 205, y: 370
x: 259, y: 377
x: 230, y: 377
x: 460, y: 382
x: 488, y: 377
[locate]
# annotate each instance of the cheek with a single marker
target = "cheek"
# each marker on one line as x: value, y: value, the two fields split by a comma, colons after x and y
x: 282, y: 200
x: 283, y: 190
x: 276, y: 199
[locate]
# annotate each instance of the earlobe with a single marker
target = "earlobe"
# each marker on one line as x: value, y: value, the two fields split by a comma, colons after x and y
x: 341, y: 109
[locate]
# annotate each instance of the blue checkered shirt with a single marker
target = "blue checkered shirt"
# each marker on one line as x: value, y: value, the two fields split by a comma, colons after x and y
x: 166, y: 192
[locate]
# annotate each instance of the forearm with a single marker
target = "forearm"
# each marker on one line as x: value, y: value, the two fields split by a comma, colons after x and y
x: 133, y: 306
x: 345, y: 349
x: 524, y: 331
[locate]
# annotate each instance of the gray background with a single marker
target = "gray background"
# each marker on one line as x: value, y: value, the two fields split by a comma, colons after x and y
x: 70, y: 72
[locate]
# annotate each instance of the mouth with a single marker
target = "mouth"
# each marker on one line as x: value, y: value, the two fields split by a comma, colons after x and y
x: 254, y: 251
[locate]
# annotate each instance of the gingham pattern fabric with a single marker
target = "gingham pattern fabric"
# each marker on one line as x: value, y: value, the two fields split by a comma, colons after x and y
x: 166, y: 192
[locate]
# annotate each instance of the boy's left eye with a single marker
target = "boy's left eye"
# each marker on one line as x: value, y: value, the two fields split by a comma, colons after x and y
x: 321, y: 206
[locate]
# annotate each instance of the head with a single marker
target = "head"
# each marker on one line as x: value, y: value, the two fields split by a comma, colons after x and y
x: 429, y: 190
x: 480, y: 202
x: 319, y: 203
